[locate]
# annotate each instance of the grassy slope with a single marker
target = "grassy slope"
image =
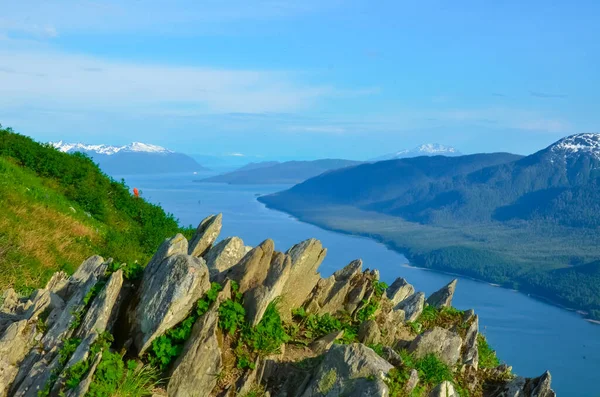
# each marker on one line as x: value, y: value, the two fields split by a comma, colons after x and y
x: 531, y: 257
x: 58, y: 209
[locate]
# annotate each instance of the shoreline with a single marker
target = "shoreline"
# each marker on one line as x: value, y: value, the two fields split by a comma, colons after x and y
x: 584, y: 315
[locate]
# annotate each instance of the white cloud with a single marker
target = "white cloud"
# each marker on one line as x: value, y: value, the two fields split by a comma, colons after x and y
x: 58, y: 81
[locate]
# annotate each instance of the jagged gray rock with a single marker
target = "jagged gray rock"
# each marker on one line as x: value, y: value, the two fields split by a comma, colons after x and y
x: 62, y: 326
x: 446, y: 345
x: 391, y: 356
x: 94, y: 266
x: 306, y: 258
x: 195, y: 371
x: 38, y: 376
x: 412, y: 381
x: 412, y: 306
x: 526, y: 387
x: 444, y: 389
x: 344, y: 370
x: 103, y: 308
x: 177, y: 245
x: 258, y: 299
x: 324, y: 343
x: 329, y: 295
x: 470, y: 354
x: 443, y: 297
x: 15, y: 343
x: 167, y: 295
x: 399, y: 290
x: 252, y: 270
x: 206, y: 234
x: 224, y: 255
x: 369, y: 333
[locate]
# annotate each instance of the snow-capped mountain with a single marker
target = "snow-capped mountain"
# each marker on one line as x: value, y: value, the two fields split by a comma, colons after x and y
x: 426, y: 149
x: 108, y: 149
x: 135, y: 158
x: 576, y: 145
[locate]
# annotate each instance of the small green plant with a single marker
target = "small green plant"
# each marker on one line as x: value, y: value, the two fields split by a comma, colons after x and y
x: 244, y: 362
x: 367, y: 312
x: 446, y: 317
x: 268, y: 336
x: 131, y: 271
x: 379, y: 287
x: 68, y: 348
x: 487, y: 356
x: 231, y: 316
x: 377, y: 348
x: 432, y: 371
x: 168, y: 346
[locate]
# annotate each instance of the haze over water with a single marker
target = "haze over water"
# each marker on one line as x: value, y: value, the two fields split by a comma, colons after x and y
x: 529, y: 334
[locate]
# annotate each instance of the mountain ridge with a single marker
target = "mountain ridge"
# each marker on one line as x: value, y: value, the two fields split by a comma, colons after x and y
x: 517, y: 223
x: 134, y: 158
x: 288, y: 172
x: 425, y: 149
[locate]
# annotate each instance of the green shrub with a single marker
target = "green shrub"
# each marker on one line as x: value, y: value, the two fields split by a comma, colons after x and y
x: 487, y: 356
x: 268, y: 336
x: 231, y: 316
x: 432, y: 371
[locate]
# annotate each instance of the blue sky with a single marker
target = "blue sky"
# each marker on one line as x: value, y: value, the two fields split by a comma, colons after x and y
x: 305, y: 79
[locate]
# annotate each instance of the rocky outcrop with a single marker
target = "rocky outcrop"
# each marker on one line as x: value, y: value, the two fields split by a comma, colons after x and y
x: 206, y: 234
x: 445, y: 389
x: 412, y: 306
x: 349, y: 370
x: 214, y: 344
x: 306, y: 258
x: 438, y: 341
x: 257, y: 300
x: 252, y: 270
x: 526, y: 387
x: 470, y: 355
x: 103, y: 309
x: 15, y: 343
x: 167, y: 295
x: 197, y: 368
x: 443, y: 297
x: 224, y: 255
x: 399, y: 290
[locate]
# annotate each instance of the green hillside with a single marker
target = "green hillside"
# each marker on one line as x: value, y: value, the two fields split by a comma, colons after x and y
x: 56, y: 209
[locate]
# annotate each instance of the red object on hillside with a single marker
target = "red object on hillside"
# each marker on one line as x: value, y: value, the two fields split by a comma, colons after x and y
x: 136, y: 192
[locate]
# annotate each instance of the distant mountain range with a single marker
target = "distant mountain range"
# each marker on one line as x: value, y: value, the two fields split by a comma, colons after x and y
x: 426, y: 149
x: 531, y: 221
x: 135, y: 158
x: 272, y: 172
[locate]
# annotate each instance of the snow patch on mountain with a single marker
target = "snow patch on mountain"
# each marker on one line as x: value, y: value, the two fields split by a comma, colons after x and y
x: 426, y: 149
x: 574, y: 145
x: 109, y: 150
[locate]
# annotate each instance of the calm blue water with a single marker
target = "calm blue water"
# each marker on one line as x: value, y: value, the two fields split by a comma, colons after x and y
x: 528, y: 334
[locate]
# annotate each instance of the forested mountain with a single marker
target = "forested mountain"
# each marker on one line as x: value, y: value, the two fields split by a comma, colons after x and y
x: 288, y: 172
x: 373, y: 182
x: 524, y: 222
x: 560, y: 183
